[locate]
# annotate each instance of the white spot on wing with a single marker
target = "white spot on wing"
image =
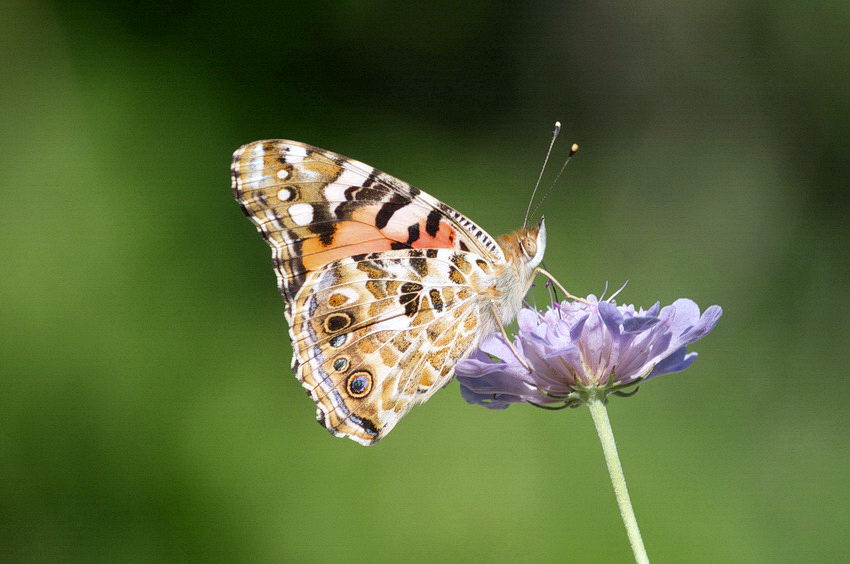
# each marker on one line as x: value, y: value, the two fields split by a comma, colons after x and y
x: 352, y: 178
x: 284, y: 194
x: 395, y: 323
x: 295, y: 154
x: 283, y: 174
x: 301, y: 214
x: 297, y: 151
x: 335, y: 192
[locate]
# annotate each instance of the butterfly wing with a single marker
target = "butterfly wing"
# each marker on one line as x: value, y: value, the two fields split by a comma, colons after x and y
x: 376, y: 278
x: 379, y: 333
x: 313, y: 206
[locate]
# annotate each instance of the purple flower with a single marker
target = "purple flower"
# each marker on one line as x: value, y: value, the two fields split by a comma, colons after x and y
x: 577, y: 349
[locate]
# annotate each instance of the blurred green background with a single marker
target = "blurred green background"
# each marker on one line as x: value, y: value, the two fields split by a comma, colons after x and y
x: 147, y: 411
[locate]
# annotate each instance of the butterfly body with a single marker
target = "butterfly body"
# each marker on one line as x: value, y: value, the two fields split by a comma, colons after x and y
x: 386, y: 288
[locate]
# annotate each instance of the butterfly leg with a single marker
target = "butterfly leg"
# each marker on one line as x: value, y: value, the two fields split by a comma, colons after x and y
x: 539, y: 270
x: 508, y: 340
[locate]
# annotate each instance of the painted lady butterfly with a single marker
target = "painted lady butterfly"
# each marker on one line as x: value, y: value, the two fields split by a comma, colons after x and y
x: 386, y: 287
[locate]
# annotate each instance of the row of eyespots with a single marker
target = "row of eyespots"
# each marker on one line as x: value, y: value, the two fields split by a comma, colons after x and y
x: 359, y: 383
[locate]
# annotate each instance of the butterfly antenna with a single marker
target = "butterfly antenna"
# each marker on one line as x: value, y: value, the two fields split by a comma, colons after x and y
x: 545, y: 161
x: 573, y: 151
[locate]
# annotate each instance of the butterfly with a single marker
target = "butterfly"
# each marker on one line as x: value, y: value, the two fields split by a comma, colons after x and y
x: 386, y: 288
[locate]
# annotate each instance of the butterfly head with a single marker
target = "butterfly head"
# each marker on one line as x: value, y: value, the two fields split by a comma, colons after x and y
x: 525, y: 246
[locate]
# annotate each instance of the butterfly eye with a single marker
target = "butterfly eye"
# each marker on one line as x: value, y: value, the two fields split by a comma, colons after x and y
x: 529, y: 247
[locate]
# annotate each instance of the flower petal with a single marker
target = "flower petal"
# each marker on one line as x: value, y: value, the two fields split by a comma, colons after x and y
x: 611, y: 316
x: 676, y: 362
x: 638, y: 324
x: 705, y: 324
x: 575, y: 347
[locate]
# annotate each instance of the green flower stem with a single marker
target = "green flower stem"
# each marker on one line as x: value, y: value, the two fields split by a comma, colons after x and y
x: 615, y: 469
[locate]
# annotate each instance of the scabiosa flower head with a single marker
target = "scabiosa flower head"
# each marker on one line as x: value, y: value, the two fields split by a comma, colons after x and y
x: 583, y: 348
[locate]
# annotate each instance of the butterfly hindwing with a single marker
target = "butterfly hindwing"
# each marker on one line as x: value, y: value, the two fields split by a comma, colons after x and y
x: 381, y: 333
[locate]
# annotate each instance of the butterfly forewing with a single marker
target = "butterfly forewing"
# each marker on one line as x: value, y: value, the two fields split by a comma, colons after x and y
x: 313, y: 206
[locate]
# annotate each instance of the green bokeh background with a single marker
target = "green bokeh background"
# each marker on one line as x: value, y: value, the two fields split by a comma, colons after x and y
x: 147, y: 412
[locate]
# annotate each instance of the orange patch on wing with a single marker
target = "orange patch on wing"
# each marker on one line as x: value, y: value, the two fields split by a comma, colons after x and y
x: 445, y: 238
x: 360, y: 235
x: 350, y: 238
